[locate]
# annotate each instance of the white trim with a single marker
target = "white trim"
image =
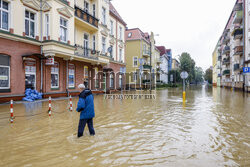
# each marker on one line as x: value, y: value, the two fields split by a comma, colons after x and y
x: 67, y: 29
x: 35, y: 22
x: 45, y: 25
x: 72, y: 86
x: 8, y: 78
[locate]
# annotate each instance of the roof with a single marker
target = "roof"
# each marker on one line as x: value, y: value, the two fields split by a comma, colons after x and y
x: 137, y: 34
x: 162, y: 49
x: 115, y: 14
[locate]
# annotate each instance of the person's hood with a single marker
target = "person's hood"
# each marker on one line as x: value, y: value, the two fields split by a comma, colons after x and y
x: 85, y: 93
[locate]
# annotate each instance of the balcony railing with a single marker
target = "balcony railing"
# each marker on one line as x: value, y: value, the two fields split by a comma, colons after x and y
x: 219, y: 58
x: 226, y: 50
x: 238, y: 7
x: 236, y: 67
x: 226, y: 72
x: 238, y: 50
x: 146, y: 53
x: 86, y: 17
x: 146, y: 66
x: 225, y: 61
x: 86, y: 52
x: 219, y: 75
x: 238, y: 33
x: 238, y: 17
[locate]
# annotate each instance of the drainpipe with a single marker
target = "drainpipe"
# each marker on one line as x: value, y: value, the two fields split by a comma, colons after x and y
x: 67, y: 79
x: 150, y: 66
x: 41, y: 47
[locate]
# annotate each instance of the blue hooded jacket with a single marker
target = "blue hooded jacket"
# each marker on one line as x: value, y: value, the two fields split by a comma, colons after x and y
x: 86, y: 105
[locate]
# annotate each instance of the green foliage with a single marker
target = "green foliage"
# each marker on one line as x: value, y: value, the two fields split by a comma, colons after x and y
x: 209, y: 75
x: 176, y: 76
x: 199, y: 75
x: 187, y: 64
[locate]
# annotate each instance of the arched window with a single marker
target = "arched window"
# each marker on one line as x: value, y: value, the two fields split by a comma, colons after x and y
x: 30, y: 73
x: 71, y: 75
x: 4, y: 72
x: 111, y: 81
x: 55, y: 75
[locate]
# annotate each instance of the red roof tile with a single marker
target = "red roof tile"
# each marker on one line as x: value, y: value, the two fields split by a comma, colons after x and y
x: 137, y: 34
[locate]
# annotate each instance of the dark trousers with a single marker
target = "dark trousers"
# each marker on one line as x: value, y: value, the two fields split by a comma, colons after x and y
x: 82, y: 124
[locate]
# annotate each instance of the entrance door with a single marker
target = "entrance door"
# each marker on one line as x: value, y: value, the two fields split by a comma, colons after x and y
x: 30, y: 74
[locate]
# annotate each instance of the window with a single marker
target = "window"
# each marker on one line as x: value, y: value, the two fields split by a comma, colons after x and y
x: 96, y: 78
x: 130, y: 34
x: 4, y: 15
x: 144, y: 48
x: 47, y: 26
x: 4, y: 72
x: 111, y: 81
x: 71, y: 75
x: 63, y: 30
x: 55, y: 75
x: 120, y: 55
x: 120, y: 33
x: 29, y: 24
x: 103, y: 45
x: 120, y: 81
x: 86, y: 76
x: 94, y: 10
x: 104, y: 16
x: 111, y: 27
x: 30, y: 74
x: 135, y: 76
x: 86, y: 45
x: 93, y: 47
x: 135, y: 61
x: 86, y: 6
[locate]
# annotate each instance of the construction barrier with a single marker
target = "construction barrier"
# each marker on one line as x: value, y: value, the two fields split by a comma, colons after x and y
x: 70, y: 104
x: 11, y: 112
x: 49, y: 106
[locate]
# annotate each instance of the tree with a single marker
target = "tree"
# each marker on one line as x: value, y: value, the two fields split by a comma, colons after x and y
x: 176, y: 76
x: 209, y: 75
x: 199, y: 75
x: 187, y: 64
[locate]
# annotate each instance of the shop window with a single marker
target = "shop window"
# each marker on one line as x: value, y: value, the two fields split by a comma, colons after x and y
x: 71, y: 75
x: 4, y: 15
x: 55, y: 75
x: 111, y: 81
x: 4, y: 72
x: 30, y: 74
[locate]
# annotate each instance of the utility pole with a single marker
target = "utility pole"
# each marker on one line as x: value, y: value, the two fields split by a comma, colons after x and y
x: 150, y: 65
x: 244, y: 43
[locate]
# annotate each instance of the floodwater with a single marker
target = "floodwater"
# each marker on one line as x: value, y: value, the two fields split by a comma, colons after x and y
x: 211, y: 129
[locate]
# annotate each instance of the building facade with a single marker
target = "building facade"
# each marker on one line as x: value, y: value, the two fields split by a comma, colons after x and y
x: 164, y: 67
x: 233, y: 49
x: 142, y: 58
x: 52, y: 46
x: 175, y: 64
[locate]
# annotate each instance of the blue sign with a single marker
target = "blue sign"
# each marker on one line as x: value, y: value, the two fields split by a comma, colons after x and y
x: 246, y: 69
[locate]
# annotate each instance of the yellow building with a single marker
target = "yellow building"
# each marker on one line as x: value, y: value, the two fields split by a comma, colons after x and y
x: 139, y: 45
x: 215, y: 58
x: 175, y: 64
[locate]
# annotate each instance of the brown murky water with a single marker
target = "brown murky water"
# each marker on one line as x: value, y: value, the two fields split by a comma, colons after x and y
x: 212, y: 129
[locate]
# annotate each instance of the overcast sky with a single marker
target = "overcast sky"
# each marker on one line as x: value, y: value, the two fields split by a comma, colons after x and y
x: 192, y: 26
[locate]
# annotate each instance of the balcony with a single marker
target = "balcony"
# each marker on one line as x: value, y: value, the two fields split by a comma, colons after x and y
x: 238, y: 33
x: 86, y: 53
x: 146, y: 53
x: 238, y: 50
x: 226, y: 50
x: 238, y: 17
x: 226, y: 39
x: 219, y: 58
x: 226, y: 72
x: 219, y: 75
x: 236, y: 67
x: 238, y: 7
x: 90, y: 22
x: 146, y: 67
x: 226, y: 61
x: 158, y: 61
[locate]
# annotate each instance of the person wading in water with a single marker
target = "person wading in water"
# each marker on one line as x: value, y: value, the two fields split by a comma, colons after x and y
x: 86, y: 107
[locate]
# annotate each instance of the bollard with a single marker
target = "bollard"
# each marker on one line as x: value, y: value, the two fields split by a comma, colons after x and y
x: 49, y: 106
x: 11, y: 112
x: 70, y: 104
x: 184, y: 96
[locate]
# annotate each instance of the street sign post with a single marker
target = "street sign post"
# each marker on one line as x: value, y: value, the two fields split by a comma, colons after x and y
x: 184, y: 75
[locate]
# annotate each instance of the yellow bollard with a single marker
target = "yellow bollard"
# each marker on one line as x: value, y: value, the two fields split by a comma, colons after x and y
x: 184, y: 96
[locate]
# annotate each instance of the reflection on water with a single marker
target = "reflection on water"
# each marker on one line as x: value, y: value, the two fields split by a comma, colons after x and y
x: 212, y: 129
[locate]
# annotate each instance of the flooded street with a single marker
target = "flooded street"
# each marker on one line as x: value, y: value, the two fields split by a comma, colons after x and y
x: 212, y: 129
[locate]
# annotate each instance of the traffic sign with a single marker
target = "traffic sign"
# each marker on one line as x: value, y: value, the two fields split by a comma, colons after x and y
x: 246, y: 69
x: 184, y: 75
